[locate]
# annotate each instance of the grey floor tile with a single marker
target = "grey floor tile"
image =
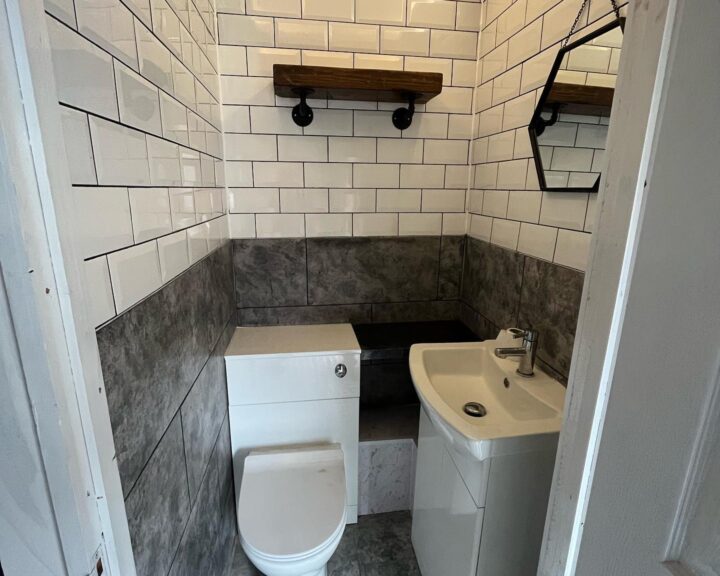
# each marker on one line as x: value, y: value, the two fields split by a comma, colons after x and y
x: 378, y: 545
x: 348, y: 569
x: 391, y: 568
x: 383, y: 538
x: 240, y: 565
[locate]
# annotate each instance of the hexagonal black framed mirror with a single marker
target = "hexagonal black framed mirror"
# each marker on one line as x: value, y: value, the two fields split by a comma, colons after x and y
x: 569, y: 127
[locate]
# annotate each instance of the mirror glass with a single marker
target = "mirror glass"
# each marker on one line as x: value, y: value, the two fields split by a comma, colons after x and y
x: 569, y: 127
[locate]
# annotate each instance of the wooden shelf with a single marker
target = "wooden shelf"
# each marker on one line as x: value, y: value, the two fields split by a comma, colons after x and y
x: 354, y: 84
x: 580, y: 99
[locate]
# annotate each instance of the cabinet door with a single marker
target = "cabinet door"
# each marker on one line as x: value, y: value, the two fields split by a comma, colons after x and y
x: 515, y: 509
x: 446, y: 521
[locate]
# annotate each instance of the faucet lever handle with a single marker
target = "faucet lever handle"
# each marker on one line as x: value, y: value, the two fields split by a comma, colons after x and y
x: 528, y: 335
x: 531, y: 335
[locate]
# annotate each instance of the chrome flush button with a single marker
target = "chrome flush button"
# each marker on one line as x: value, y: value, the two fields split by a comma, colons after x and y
x: 340, y: 370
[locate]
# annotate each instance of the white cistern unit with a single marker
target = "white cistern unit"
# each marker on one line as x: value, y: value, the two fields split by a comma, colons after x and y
x: 293, y: 394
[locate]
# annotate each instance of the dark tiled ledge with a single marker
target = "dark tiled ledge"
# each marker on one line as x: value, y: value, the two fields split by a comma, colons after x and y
x: 390, y: 423
x: 389, y: 407
x: 391, y: 342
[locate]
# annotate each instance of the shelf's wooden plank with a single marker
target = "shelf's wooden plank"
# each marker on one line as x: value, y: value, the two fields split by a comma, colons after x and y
x: 356, y: 84
x: 580, y: 99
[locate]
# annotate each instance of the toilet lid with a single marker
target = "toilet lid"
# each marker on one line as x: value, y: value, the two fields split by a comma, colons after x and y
x: 292, y: 501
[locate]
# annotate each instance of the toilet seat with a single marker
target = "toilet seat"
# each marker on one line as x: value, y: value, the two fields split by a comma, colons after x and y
x: 292, y: 502
x: 331, y: 542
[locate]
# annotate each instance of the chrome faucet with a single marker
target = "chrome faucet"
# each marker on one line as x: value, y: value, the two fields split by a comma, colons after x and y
x: 526, y: 352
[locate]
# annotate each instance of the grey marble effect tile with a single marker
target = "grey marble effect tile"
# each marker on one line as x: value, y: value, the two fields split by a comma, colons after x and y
x: 362, y: 270
x: 386, y: 476
x: 550, y: 371
x: 378, y: 545
x: 227, y: 537
x: 203, y: 411
x: 159, y: 506
x: 452, y: 253
x: 415, y: 311
x: 240, y: 565
x: 354, y: 313
x: 550, y: 303
x: 152, y: 354
x: 270, y: 272
x: 492, y: 279
x: 217, y: 293
x: 206, y: 543
x: 481, y: 326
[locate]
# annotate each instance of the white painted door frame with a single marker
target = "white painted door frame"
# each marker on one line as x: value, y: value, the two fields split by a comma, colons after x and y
x: 52, y: 341
x: 47, y: 522
x: 633, y: 122
x: 646, y: 354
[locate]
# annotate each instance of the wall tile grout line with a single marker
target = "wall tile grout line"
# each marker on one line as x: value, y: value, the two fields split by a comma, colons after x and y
x: 177, y: 412
x: 99, y: 47
x: 136, y: 129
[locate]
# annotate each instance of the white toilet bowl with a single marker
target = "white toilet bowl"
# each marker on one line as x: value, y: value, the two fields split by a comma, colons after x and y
x: 291, y: 509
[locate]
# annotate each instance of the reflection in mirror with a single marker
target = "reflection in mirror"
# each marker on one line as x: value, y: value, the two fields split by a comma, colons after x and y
x: 569, y: 127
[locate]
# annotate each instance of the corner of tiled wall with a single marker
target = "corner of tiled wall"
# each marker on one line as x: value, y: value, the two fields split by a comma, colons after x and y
x: 139, y: 97
x: 519, y: 41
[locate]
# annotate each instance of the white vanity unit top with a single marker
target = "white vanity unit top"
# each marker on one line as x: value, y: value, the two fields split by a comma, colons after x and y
x: 293, y: 340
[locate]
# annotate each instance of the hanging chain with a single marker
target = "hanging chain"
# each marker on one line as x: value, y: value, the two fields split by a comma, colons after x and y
x: 615, y: 7
x: 577, y: 20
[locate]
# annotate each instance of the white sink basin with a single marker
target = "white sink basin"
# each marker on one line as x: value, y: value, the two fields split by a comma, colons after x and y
x: 522, y: 413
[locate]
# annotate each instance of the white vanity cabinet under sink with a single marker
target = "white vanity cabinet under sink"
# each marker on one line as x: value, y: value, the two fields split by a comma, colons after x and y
x: 478, y: 518
x: 483, y: 478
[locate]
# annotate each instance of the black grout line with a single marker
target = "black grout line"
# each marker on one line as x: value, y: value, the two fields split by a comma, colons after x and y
x: 92, y: 147
x: 134, y: 128
x: 307, y: 273
x: 404, y: 24
x: 112, y: 288
x: 187, y: 29
x: 152, y: 186
x: 154, y: 239
x: 105, y: 51
x: 116, y: 89
x: 353, y: 52
x: 178, y: 411
x: 182, y: 437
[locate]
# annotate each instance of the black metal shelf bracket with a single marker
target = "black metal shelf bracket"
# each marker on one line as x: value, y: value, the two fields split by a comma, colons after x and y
x: 402, y: 117
x: 302, y: 114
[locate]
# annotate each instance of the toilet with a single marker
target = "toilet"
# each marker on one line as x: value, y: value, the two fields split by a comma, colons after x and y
x: 294, y: 401
x: 291, y: 509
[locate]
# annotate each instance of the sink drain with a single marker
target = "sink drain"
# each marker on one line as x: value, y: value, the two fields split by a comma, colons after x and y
x: 475, y: 409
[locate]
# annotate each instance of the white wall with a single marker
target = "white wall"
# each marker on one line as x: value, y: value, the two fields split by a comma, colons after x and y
x: 351, y: 172
x: 519, y: 42
x: 138, y: 87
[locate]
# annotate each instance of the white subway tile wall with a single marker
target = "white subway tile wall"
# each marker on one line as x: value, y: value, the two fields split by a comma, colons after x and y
x: 146, y: 90
x: 139, y: 94
x: 351, y: 172
x: 519, y: 41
